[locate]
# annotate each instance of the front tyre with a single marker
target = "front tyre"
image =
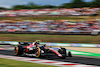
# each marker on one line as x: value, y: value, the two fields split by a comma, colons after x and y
x: 62, y: 51
x: 18, y: 50
x: 69, y: 54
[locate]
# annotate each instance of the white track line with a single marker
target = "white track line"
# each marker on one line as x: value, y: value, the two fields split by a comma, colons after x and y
x: 46, y: 62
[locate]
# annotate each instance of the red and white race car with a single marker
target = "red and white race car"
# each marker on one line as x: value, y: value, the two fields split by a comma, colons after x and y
x: 40, y: 50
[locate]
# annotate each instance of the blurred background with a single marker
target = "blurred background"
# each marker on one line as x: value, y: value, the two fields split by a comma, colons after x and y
x: 73, y: 24
x: 71, y: 21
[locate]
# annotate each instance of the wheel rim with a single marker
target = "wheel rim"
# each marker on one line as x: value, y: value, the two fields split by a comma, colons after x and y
x: 38, y: 52
x: 16, y: 50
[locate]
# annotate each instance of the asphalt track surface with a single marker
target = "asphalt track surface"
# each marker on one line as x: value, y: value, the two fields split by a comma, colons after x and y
x: 75, y: 59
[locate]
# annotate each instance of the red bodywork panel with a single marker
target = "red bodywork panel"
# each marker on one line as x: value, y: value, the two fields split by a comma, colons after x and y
x: 29, y: 46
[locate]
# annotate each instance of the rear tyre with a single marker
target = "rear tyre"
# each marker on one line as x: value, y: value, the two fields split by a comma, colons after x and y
x: 62, y: 51
x: 18, y: 50
x: 38, y: 52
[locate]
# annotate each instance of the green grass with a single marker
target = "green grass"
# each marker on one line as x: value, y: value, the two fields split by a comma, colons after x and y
x: 45, y: 18
x: 51, y: 18
x: 13, y: 63
x: 85, y: 53
x: 51, y: 38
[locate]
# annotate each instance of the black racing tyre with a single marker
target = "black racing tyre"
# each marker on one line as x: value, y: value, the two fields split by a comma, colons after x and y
x: 62, y: 51
x: 69, y: 54
x: 18, y: 50
x: 38, y: 52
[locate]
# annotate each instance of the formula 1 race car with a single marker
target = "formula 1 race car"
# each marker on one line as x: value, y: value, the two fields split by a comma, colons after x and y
x: 40, y: 50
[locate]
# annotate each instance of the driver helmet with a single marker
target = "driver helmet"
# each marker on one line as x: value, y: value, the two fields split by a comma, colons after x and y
x: 37, y: 42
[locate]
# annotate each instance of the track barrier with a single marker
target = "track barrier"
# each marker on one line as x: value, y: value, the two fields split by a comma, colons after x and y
x: 54, y: 44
